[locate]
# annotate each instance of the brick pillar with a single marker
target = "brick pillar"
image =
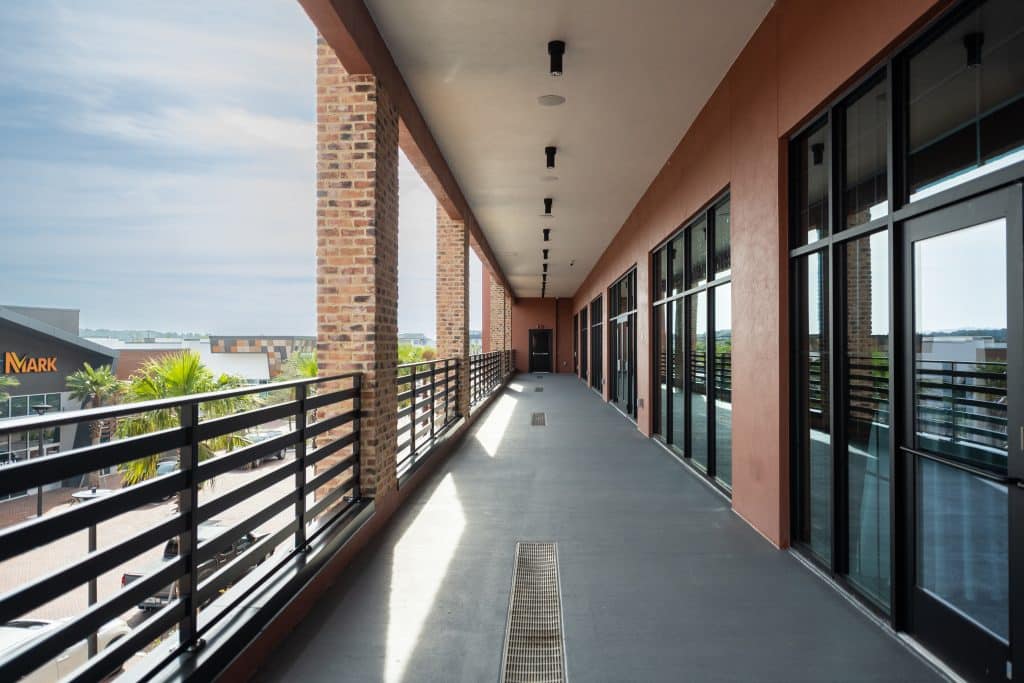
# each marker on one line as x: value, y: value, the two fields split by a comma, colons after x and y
x: 357, y: 252
x: 453, y: 299
x: 496, y: 316
x: 506, y: 326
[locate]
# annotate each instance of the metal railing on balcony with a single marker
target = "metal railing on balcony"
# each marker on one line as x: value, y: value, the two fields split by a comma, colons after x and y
x: 485, y: 373
x: 209, y: 535
x: 427, y: 406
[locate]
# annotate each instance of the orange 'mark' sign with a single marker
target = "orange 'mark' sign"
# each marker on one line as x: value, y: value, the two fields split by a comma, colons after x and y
x: 20, y: 365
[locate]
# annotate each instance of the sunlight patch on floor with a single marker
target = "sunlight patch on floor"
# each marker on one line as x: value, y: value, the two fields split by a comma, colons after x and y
x: 421, y: 560
x: 494, y: 425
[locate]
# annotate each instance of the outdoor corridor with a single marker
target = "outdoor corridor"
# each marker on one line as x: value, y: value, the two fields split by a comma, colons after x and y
x: 660, y: 580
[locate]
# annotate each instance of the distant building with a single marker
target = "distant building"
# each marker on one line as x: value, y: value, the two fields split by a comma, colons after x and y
x: 414, y: 338
x: 40, y: 347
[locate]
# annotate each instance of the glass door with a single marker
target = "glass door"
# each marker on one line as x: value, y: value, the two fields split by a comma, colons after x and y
x: 623, y: 341
x: 962, y: 441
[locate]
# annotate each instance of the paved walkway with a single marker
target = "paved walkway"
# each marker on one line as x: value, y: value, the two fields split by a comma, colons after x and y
x: 660, y: 580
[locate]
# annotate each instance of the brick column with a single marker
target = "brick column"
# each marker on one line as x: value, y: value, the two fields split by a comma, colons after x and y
x: 496, y: 319
x: 453, y: 299
x: 357, y: 252
x: 506, y: 327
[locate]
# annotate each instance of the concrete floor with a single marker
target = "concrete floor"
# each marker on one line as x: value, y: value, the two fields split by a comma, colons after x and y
x: 660, y: 580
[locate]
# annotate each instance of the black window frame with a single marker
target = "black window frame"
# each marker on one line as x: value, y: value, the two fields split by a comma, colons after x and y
x: 705, y: 215
x: 892, y: 66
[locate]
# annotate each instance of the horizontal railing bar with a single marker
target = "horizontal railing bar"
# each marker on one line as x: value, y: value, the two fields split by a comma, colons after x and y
x: 230, y: 535
x: 330, y: 473
x: 50, y: 468
x: 41, y: 650
x: 222, y: 464
x: 232, y: 498
x: 326, y: 501
x: 320, y: 400
x: 220, y: 426
x: 330, y: 423
x: 22, y: 424
x: 404, y: 411
x: 28, y: 597
x: 333, y: 447
x: 114, y: 655
x: 36, y: 533
x: 238, y: 567
x: 404, y: 395
x: 416, y: 364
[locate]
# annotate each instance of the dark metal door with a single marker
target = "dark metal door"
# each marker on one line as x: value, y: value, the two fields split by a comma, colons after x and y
x: 540, y: 350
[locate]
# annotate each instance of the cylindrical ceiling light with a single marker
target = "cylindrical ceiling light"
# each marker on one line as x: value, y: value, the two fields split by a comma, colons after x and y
x: 545, y: 254
x: 556, y: 48
x: 548, y: 201
x: 973, y: 43
x: 549, y: 153
x: 547, y: 234
x: 545, y: 268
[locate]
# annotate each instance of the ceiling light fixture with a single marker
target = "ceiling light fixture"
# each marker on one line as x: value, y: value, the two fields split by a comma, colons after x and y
x: 556, y: 48
x: 549, y: 153
x: 545, y: 254
x: 548, y: 201
x: 818, y: 153
x: 547, y: 234
x: 973, y: 43
x: 545, y: 268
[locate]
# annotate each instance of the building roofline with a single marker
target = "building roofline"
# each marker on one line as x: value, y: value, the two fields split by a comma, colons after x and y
x: 63, y: 335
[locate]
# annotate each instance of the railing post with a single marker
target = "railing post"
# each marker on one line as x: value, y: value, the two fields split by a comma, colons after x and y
x: 188, y: 505
x: 412, y: 415
x: 433, y: 398
x: 300, y: 468
x: 357, y: 404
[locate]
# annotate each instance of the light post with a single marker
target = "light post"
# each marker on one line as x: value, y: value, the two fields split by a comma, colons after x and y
x: 41, y: 409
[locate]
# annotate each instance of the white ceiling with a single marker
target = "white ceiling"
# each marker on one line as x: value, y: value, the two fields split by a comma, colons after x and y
x: 636, y: 73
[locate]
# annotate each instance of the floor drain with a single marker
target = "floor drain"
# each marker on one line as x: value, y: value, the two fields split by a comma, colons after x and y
x: 538, y: 420
x: 538, y: 388
x: 534, y: 640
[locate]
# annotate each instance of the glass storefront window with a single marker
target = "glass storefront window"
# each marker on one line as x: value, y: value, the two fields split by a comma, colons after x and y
x: 677, y: 251
x: 865, y: 178
x: 723, y: 245
x: 965, y: 100
x: 678, y: 376
x: 697, y: 312
x: 814, y: 437
x: 697, y: 257
x: 810, y: 187
x: 723, y: 383
x: 19, y: 406
x: 867, y: 413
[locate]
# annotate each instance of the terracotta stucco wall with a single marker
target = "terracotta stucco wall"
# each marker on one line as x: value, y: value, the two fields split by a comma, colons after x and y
x: 804, y: 52
x: 551, y: 314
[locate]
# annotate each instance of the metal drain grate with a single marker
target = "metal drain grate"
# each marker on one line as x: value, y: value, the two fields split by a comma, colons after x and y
x: 538, y: 420
x: 538, y: 388
x: 534, y: 641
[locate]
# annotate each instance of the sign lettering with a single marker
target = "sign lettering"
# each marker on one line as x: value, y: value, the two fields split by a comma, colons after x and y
x: 23, y: 365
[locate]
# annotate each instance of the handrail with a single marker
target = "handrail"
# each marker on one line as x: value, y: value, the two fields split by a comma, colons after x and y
x: 213, y: 554
x: 427, y: 407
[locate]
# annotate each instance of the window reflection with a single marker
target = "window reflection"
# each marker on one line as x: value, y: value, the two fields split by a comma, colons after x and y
x: 723, y: 244
x: 697, y: 310
x: 810, y: 201
x: 697, y: 271
x: 723, y: 383
x: 965, y: 91
x: 865, y: 190
x: 867, y: 413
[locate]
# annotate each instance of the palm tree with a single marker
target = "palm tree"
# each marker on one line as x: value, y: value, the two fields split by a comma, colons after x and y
x: 7, y: 383
x: 179, y: 374
x: 94, y: 387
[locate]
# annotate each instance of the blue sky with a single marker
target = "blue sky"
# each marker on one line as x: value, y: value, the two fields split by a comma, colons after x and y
x: 158, y: 168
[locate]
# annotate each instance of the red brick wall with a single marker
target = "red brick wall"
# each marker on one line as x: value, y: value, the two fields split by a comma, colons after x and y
x: 803, y: 53
x: 357, y: 252
x: 452, y: 298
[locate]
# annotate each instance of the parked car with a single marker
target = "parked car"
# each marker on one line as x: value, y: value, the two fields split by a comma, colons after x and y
x: 15, y: 634
x: 207, y: 531
x: 259, y: 437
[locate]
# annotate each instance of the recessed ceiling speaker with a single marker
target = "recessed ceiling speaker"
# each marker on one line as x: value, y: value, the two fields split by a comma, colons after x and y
x: 556, y: 48
x: 550, y: 100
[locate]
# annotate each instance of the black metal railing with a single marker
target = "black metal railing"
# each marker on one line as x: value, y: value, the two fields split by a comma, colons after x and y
x: 211, y: 536
x: 485, y: 374
x: 427, y: 405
